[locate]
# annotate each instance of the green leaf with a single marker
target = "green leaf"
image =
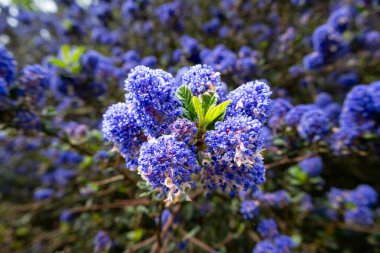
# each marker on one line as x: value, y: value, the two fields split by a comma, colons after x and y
x: 77, y: 54
x: 75, y: 69
x: 211, y: 125
x: 65, y: 52
x: 216, y: 112
x: 198, y: 110
x: 184, y: 95
x: 57, y: 62
x: 208, y: 101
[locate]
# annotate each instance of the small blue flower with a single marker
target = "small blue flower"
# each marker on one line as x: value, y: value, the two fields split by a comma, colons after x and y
x: 312, y: 166
x: 249, y: 209
x: 314, y: 125
x: 43, y: 193
x: 313, y: 61
x: 341, y: 18
x: 220, y: 58
x: 323, y: 99
x: 280, y: 108
x: 364, y: 195
x: 264, y: 247
x: 183, y: 130
x: 361, y: 217
x: 267, y: 228
x: 357, y: 111
x: 277, y: 199
x: 102, y: 242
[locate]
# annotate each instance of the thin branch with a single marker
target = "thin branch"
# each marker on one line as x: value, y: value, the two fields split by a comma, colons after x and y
x: 286, y: 160
x: 201, y: 244
x: 119, y: 204
x: 140, y: 245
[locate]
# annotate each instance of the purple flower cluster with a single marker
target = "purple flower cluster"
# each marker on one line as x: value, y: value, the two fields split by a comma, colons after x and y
x: 7, y: 65
x: 171, y: 149
x: 267, y: 228
x: 234, y: 147
x: 202, y: 79
x: 168, y: 164
x: 152, y: 92
x: 120, y: 126
x: 355, y: 203
x: 312, y: 166
x: 328, y: 41
x: 273, y: 240
x: 251, y: 99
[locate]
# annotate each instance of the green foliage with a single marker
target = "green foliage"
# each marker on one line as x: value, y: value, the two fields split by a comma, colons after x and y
x: 203, y: 109
x: 184, y: 95
x: 69, y: 59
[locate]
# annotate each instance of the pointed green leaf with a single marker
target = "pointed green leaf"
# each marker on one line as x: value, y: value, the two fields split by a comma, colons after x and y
x: 184, y: 95
x: 208, y: 101
x: 65, y: 52
x: 77, y: 54
x: 216, y: 111
x: 198, y: 109
x: 57, y: 62
x: 211, y: 125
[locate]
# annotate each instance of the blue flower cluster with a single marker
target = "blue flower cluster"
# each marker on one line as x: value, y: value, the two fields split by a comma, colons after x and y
x: 201, y: 79
x: 168, y: 164
x: 152, y: 92
x: 7, y: 65
x: 120, y: 126
x: 273, y: 241
x: 312, y: 166
x: 328, y: 41
x: 171, y: 150
x: 251, y: 99
x: 235, y: 147
x: 355, y: 204
x: 252, y: 203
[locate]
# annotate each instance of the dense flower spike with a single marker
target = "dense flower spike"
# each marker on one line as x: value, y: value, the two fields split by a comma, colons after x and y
x: 168, y: 164
x: 152, y: 94
x: 234, y: 148
x: 120, y: 126
x: 251, y: 99
x: 202, y: 79
x: 357, y: 111
x: 184, y: 130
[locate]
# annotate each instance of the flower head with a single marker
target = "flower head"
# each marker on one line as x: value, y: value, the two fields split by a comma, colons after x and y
x: 152, y: 92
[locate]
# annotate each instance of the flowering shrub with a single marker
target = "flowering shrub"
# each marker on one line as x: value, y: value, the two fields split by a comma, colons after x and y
x: 189, y: 126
